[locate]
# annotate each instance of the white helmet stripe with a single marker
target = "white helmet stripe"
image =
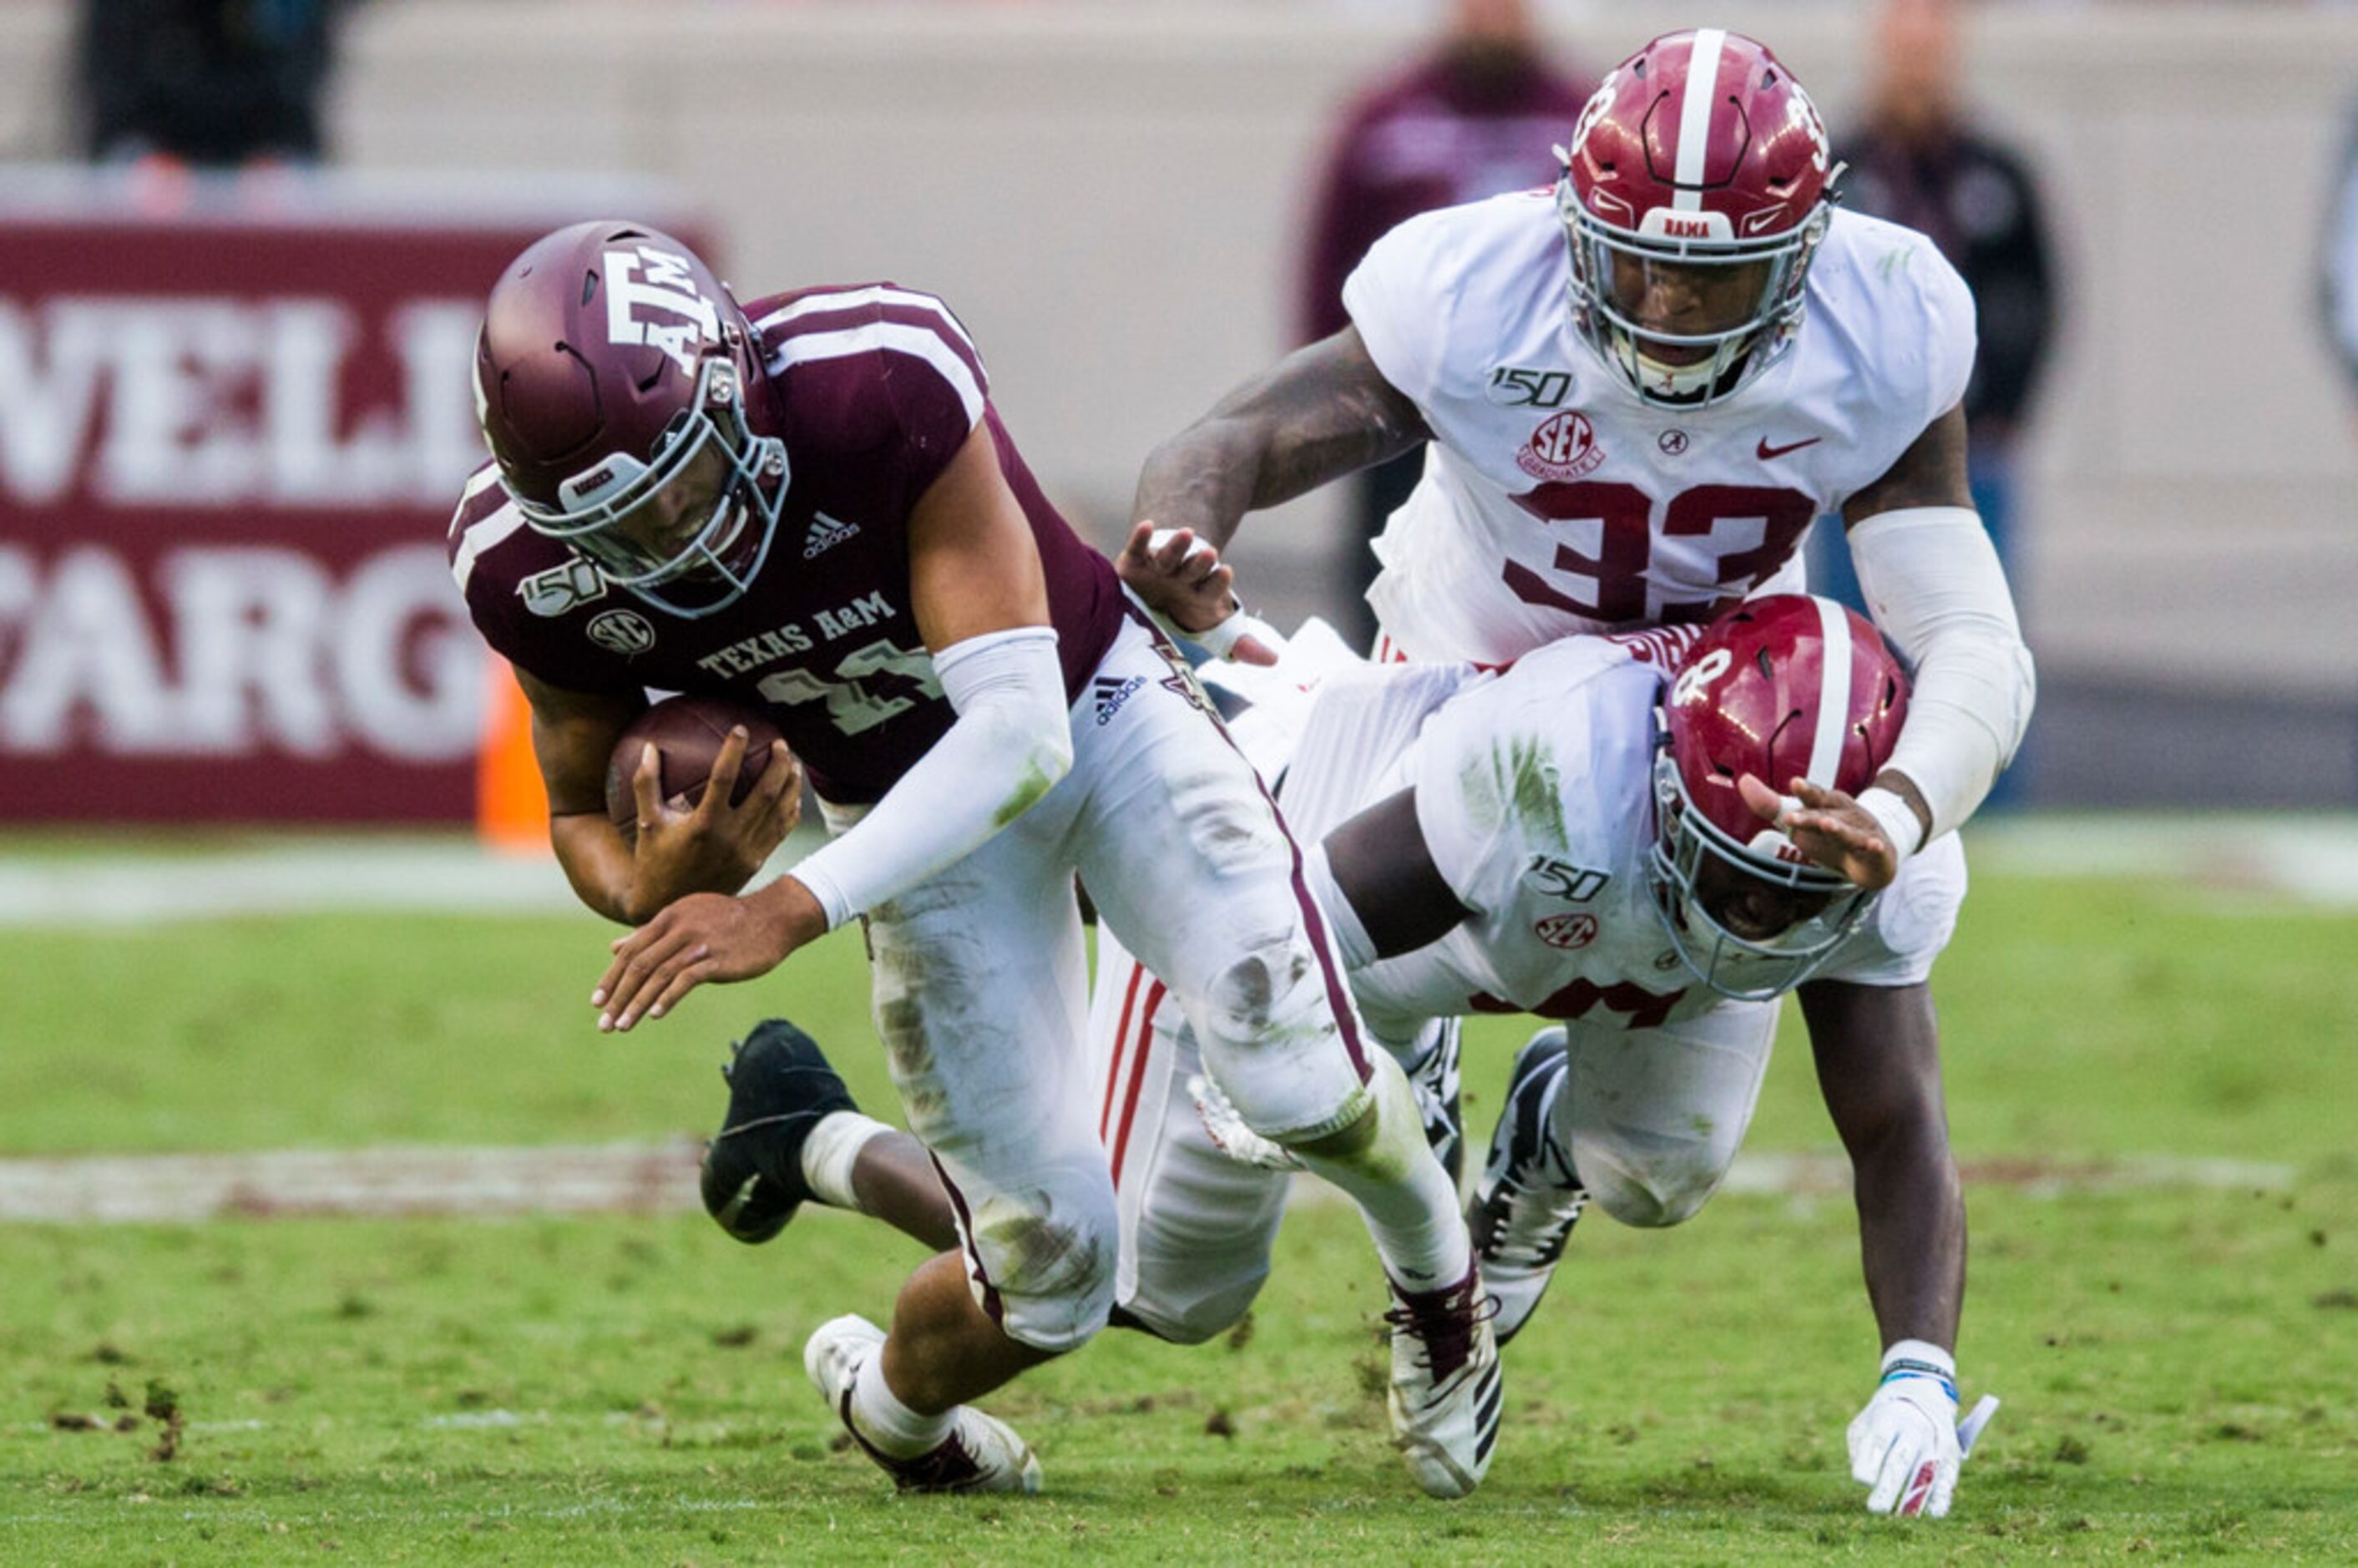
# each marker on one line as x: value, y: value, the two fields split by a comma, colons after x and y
x: 1695, y: 117
x: 1833, y: 694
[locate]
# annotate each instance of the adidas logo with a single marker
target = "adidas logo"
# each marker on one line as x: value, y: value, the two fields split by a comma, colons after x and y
x: 1111, y: 694
x: 826, y: 534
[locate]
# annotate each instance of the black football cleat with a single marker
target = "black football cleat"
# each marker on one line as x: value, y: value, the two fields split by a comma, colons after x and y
x: 1529, y: 1197
x: 780, y: 1087
x: 1434, y: 1078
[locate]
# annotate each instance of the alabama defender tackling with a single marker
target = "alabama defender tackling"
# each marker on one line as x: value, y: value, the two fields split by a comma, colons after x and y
x: 1639, y: 389
x: 1565, y: 838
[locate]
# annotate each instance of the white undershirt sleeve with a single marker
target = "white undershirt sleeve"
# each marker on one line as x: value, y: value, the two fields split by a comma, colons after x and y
x: 1934, y: 584
x: 1012, y: 741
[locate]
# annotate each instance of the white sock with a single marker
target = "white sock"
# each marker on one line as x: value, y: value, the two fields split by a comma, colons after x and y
x: 830, y: 1152
x: 1404, y: 1195
x: 891, y: 1426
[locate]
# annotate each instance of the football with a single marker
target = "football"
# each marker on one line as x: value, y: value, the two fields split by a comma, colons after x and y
x: 687, y: 733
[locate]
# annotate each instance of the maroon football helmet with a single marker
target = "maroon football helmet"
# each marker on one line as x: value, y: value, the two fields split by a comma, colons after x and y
x: 1782, y: 686
x: 610, y: 381
x: 1694, y: 194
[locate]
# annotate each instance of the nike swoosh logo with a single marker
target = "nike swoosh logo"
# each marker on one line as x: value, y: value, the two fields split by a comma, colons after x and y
x: 736, y: 1205
x: 1764, y: 452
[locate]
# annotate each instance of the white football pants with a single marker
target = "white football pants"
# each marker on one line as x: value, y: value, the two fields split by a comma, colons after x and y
x: 980, y: 985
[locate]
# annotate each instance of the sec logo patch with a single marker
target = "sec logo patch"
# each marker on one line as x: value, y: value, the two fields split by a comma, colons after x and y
x: 624, y: 632
x: 1563, y: 447
x: 1566, y: 931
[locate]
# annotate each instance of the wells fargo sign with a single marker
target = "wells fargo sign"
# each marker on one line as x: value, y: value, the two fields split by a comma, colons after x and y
x: 229, y: 449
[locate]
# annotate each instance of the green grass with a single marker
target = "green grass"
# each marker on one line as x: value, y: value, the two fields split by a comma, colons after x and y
x: 2081, y: 1020
x: 1681, y: 1400
x: 2179, y: 1365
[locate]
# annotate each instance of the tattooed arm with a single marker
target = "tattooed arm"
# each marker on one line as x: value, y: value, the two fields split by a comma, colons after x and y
x: 1319, y: 414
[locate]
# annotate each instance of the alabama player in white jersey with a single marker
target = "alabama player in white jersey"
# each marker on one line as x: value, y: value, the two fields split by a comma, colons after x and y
x: 1567, y: 836
x: 1636, y: 392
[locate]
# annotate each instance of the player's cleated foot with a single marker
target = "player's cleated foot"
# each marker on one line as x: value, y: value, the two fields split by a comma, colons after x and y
x: 780, y: 1087
x: 980, y: 1454
x: 1529, y: 1196
x: 1434, y: 1078
x: 1446, y: 1396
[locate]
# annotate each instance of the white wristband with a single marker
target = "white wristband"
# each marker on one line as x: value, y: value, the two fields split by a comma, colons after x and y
x: 1922, y: 1351
x: 1895, y: 818
x: 1220, y: 641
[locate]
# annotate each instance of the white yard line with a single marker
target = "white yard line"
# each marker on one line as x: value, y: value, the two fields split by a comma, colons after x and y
x: 246, y: 1511
x: 428, y: 877
x: 302, y: 1183
x: 2308, y: 856
x: 660, y: 1178
x: 439, y: 873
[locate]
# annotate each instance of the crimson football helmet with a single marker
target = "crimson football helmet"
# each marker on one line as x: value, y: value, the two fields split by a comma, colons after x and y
x: 1694, y: 192
x: 611, y: 379
x: 1781, y: 686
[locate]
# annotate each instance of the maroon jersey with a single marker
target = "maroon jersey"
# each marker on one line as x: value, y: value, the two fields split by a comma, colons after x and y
x: 873, y: 390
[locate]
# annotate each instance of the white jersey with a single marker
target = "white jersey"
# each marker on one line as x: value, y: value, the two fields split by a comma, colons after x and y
x: 1534, y: 795
x: 1554, y: 501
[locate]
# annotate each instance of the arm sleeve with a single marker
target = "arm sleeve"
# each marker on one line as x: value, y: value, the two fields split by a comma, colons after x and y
x: 1932, y: 580
x: 1011, y: 742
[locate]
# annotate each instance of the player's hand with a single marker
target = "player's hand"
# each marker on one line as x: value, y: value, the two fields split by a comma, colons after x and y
x: 1183, y: 579
x: 717, y: 847
x: 1829, y: 826
x: 1904, y: 1447
x: 704, y: 936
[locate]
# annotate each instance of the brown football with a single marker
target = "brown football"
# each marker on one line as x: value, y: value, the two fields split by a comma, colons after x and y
x: 687, y: 732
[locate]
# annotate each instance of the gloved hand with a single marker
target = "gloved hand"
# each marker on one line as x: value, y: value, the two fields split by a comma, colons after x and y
x: 1904, y: 1447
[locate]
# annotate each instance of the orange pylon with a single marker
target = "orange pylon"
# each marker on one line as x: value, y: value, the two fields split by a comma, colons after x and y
x: 511, y: 806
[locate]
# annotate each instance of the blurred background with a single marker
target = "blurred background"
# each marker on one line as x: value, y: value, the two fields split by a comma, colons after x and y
x: 258, y: 963
x: 242, y: 246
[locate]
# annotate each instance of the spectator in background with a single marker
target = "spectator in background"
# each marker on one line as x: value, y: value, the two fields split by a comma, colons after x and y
x: 1473, y: 117
x: 203, y: 84
x: 2339, y: 270
x: 1917, y: 159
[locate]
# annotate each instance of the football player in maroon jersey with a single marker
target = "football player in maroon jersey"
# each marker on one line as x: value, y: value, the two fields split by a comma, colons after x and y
x: 811, y: 506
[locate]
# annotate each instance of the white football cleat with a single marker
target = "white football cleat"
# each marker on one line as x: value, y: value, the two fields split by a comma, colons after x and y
x: 1528, y: 1198
x: 1446, y: 1396
x: 980, y: 1454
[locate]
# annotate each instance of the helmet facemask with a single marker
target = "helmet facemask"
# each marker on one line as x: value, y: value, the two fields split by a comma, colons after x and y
x: 1719, y: 897
x: 1780, y: 687
x: 688, y: 529
x: 1749, y: 291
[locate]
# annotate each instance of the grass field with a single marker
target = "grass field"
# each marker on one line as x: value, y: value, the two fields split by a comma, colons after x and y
x: 2178, y: 1360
